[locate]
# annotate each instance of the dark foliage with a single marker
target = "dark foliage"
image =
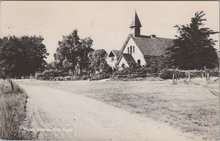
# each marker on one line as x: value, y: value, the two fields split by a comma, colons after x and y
x: 98, y: 62
x: 134, y: 72
x: 50, y: 74
x: 193, y: 48
x: 168, y: 73
x: 72, y: 53
x: 21, y: 56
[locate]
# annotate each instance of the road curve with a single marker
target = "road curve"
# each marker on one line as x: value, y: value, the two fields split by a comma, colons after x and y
x: 56, y: 114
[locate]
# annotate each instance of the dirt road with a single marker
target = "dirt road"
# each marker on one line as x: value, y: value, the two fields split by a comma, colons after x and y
x: 56, y: 114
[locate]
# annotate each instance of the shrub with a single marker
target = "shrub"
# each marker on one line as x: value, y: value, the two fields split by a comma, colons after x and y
x: 135, y: 73
x: 50, y: 74
x: 67, y: 78
x: 166, y: 74
x: 214, y: 73
x: 100, y: 76
x: 85, y: 77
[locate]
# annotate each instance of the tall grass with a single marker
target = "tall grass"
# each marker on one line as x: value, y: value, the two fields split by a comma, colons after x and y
x: 13, y: 102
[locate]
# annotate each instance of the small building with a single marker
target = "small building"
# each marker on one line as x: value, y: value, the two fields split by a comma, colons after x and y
x: 140, y: 49
x: 113, y: 57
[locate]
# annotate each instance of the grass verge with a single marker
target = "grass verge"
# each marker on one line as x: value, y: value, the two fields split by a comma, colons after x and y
x: 13, y: 101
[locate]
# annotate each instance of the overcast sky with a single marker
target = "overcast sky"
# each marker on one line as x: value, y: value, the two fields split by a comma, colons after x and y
x: 107, y: 23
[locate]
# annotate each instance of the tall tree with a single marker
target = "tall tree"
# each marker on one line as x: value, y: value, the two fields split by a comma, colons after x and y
x: 193, y: 48
x: 98, y: 61
x: 73, y: 51
x: 21, y: 56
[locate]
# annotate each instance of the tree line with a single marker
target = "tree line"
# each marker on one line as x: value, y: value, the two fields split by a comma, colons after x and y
x: 22, y: 56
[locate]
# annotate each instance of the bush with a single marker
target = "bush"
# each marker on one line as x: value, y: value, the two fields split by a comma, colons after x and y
x: 100, y: 76
x: 67, y: 78
x: 214, y: 73
x: 131, y: 73
x: 85, y: 77
x: 50, y: 74
x: 166, y: 74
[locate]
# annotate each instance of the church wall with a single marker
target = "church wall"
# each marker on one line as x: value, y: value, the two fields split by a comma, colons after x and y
x: 111, y: 61
x: 137, y: 55
x: 123, y: 61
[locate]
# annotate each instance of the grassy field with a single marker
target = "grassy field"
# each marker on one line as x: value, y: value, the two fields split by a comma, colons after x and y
x: 191, y: 107
x: 12, y: 111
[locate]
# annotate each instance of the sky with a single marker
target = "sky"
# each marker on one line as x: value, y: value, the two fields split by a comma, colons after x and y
x: 106, y: 22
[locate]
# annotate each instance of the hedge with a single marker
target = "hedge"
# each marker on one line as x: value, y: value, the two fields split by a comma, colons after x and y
x: 168, y: 73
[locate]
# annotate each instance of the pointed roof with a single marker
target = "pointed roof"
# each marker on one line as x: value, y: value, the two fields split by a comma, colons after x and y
x: 114, y: 53
x: 136, y: 22
x: 128, y: 58
x: 152, y: 46
x: 149, y: 46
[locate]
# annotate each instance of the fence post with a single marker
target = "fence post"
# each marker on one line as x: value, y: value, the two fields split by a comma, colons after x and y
x: 11, y: 84
x: 173, y: 77
x: 208, y: 76
x: 202, y: 75
x: 205, y: 73
x: 189, y: 76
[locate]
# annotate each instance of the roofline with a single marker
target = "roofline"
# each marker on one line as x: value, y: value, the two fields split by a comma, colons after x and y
x: 137, y: 45
x: 124, y: 44
x: 112, y: 52
x: 121, y: 58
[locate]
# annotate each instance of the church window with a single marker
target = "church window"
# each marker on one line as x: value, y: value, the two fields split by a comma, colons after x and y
x: 133, y: 49
x: 130, y: 49
x: 139, y: 62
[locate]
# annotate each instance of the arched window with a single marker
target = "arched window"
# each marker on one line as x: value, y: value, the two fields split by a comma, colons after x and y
x: 139, y: 62
x: 130, y: 49
x: 133, y: 49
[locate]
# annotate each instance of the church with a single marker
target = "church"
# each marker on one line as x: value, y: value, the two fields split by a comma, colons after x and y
x: 144, y: 50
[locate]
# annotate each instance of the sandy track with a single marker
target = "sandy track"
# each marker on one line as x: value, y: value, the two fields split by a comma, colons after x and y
x: 62, y: 115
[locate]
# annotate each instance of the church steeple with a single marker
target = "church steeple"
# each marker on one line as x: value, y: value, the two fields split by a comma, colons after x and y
x: 136, y: 26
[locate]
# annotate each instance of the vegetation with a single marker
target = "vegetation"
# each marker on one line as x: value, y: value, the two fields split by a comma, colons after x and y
x: 134, y: 72
x: 21, y: 56
x: 98, y: 60
x: 193, y: 48
x: 98, y: 64
x: 72, y: 53
x: 168, y: 73
x: 13, y: 102
x: 76, y: 60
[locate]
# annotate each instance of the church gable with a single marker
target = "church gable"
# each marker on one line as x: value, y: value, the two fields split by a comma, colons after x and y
x: 140, y: 49
x: 113, y: 58
x: 132, y: 49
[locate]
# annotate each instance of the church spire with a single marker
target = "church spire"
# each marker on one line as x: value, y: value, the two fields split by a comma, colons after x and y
x: 135, y: 26
x: 136, y: 22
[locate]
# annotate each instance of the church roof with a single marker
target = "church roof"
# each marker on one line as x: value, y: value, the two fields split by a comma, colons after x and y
x: 135, y: 22
x: 128, y: 58
x: 116, y: 52
x: 149, y: 46
x: 152, y: 46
